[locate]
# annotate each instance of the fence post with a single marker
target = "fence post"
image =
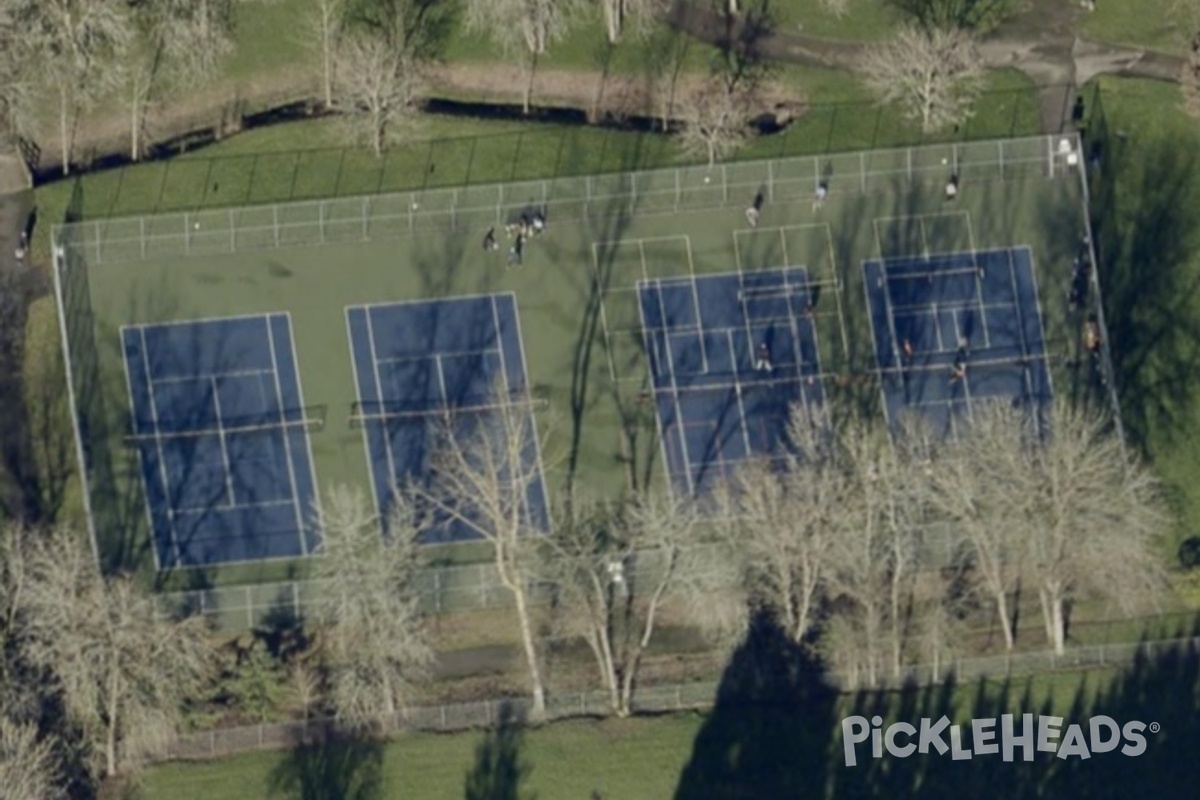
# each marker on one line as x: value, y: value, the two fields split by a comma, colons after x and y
x: 677, y: 189
x: 321, y: 221
x: 142, y: 225
x: 862, y: 171
x: 232, y: 232
x: 296, y: 599
x: 187, y: 232
x: 771, y: 181
x: 249, y: 609
x: 366, y: 212
x: 724, y: 184
x: 275, y: 219
x: 1000, y: 150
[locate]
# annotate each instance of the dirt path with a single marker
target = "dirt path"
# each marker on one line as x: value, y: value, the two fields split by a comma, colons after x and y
x: 1041, y: 42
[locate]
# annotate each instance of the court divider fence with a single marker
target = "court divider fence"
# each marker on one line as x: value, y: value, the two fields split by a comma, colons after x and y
x: 381, y: 216
x: 661, y: 698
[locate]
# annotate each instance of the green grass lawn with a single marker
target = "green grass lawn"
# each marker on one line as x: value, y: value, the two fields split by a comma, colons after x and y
x: 1151, y: 274
x: 1153, y: 24
x: 754, y: 744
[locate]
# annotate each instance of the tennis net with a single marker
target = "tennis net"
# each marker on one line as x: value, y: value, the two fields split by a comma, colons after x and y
x: 362, y: 414
x: 310, y: 420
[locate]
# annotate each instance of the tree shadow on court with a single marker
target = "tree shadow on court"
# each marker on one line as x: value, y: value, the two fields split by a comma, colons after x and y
x: 779, y: 727
x: 337, y: 764
x: 500, y: 770
x: 1147, y: 230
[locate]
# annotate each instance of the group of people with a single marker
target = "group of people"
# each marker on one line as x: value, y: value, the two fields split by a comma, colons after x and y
x: 754, y: 210
x: 525, y: 226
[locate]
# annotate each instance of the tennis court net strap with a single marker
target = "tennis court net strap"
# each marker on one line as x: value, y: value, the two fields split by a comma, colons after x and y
x: 307, y: 425
x: 358, y: 417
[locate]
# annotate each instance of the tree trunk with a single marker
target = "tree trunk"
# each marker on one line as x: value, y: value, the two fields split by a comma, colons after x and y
x: 612, y: 19
x: 527, y: 94
x: 65, y: 142
x: 1005, y: 622
x: 535, y: 673
x: 1058, y: 622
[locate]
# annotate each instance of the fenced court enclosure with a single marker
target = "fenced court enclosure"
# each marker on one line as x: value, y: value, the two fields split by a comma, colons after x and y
x: 229, y: 366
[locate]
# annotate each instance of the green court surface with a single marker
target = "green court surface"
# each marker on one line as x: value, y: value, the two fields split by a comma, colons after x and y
x: 575, y: 292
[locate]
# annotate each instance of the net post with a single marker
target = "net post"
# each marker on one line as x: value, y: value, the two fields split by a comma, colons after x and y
x: 232, y: 233
x: 142, y: 234
x: 366, y: 213
x: 275, y: 220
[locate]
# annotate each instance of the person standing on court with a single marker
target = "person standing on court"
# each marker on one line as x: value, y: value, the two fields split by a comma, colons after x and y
x: 959, y: 370
x: 820, y: 195
x: 752, y: 213
x: 952, y: 188
x: 762, y: 361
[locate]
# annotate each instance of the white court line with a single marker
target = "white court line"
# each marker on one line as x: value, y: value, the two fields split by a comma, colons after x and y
x: 287, y: 445
x: 687, y: 461
x: 441, y: 378
x: 224, y: 444
x: 202, y: 510
x: 387, y: 439
x: 196, y: 321
x: 162, y: 461
x: 874, y: 342
x: 133, y: 419
x: 537, y: 439
x: 737, y: 389
x: 361, y: 404
x: 312, y: 462
x: 500, y: 350
x: 1041, y: 318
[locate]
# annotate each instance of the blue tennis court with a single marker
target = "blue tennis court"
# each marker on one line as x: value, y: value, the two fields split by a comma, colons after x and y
x: 730, y: 354
x: 418, y: 364
x: 217, y: 418
x: 925, y: 311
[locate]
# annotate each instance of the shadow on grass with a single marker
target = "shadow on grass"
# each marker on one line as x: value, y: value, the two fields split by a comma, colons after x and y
x: 1144, y: 218
x: 777, y: 731
x: 339, y: 765
x: 500, y: 771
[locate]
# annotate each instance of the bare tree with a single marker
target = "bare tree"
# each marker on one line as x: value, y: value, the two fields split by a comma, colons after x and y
x: 123, y: 671
x: 715, y: 120
x: 376, y: 640
x: 525, y: 27
x: 784, y: 517
x: 1092, y: 527
x: 325, y: 22
x: 18, y: 106
x: 614, y: 567
x: 622, y: 15
x: 486, y: 473
x: 78, y: 46
x: 376, y: 87
x: 176, y: 44
x: 981, y: 485
x: 933, y: 74
x: 29, y: 769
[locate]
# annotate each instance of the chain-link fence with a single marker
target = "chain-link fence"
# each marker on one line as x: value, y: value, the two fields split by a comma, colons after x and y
x: 659, y: 699
x: 469, y: 587
x: 382, y: 216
